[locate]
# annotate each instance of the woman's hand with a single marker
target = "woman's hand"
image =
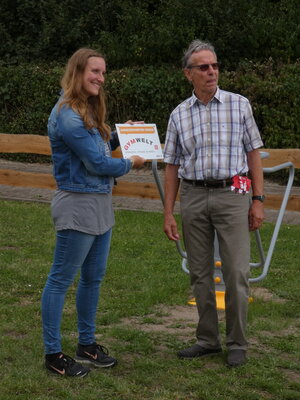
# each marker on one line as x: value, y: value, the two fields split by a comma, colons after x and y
x: 134, y: 122
x: 137, y: 161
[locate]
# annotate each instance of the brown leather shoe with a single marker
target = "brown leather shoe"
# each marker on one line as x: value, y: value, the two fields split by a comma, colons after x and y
x: 197, y: 351
x: 236, y: 358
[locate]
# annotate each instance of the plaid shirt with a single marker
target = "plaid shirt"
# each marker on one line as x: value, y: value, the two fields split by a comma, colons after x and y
x: 211, y: 141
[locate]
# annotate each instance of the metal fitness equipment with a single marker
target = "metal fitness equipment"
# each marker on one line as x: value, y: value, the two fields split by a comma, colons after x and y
x: 265, y: 260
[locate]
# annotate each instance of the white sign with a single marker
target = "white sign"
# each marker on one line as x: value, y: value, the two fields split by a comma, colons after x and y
x: 139, y: 140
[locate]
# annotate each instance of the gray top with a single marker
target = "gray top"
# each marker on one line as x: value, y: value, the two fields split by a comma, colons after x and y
x: 91, y: 213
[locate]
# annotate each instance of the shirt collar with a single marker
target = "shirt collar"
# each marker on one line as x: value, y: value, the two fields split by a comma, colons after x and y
x: 217, y: 96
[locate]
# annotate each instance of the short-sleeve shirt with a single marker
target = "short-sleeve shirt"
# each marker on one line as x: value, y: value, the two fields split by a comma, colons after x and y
x: 211, y: 141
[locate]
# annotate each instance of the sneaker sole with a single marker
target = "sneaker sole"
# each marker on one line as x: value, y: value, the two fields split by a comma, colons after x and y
x: 94, y: 363
x: 53, y: 373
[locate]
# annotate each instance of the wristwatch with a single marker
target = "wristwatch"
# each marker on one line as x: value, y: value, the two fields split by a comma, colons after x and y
x: 260, y: 198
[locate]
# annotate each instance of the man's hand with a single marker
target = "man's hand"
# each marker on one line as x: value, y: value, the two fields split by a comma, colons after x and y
x: 256, y: 215
x: 170, y: 227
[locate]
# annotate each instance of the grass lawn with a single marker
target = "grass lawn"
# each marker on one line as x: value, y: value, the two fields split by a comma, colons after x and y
x: 143, y: 318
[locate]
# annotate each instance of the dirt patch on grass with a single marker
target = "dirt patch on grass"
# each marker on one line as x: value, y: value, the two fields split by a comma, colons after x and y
x: 179, y: 320
x: 176, y: 320
x: 264, y: 294
x: 182, y: 320
x: 291, y: 375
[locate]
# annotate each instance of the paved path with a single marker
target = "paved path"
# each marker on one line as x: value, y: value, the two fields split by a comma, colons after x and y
x: 144, y: 175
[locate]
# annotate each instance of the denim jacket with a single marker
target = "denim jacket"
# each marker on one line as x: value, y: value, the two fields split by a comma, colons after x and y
x: 80, y: 163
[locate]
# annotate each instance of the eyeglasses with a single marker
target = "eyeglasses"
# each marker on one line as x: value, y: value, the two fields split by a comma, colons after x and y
x: 205, y: 67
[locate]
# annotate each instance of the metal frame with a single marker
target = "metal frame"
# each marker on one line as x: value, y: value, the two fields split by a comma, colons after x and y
x: 264, y: 260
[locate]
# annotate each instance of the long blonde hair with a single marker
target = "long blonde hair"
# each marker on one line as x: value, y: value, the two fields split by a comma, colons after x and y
x: 92, y: 110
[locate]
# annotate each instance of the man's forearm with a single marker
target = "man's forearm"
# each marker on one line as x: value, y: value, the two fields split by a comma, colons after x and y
x: 256, y: 172
x: 256, y: 211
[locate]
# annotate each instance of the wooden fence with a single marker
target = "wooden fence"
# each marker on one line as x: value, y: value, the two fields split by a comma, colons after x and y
x: 35, y: 144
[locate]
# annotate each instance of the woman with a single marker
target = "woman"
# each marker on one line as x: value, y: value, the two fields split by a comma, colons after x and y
x: 84, y: 171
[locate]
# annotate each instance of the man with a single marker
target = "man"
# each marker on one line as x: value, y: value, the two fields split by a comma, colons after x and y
x: 211, y: 146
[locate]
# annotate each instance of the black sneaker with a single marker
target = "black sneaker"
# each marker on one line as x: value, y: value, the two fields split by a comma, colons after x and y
x: 197, y: 351
x: 95, y: 355
x: 66, y: 366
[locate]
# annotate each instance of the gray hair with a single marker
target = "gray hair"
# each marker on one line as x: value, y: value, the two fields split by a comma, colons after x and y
x: 194, y: 47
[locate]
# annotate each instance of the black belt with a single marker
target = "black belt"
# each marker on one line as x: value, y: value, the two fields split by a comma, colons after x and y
x: 210, y: 184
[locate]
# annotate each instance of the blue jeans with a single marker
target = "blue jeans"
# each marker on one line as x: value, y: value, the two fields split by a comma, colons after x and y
x: 74, y: 250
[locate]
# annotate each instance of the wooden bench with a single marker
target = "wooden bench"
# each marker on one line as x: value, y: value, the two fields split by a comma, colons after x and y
x: 36, y: 144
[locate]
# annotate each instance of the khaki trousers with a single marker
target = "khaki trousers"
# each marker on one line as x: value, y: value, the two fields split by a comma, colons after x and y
x: 205, y: 211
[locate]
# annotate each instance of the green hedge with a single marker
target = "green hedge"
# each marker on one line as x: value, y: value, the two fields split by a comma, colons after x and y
x: 274, y: 92
x: 28, y: 93
x: 149, y: 32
